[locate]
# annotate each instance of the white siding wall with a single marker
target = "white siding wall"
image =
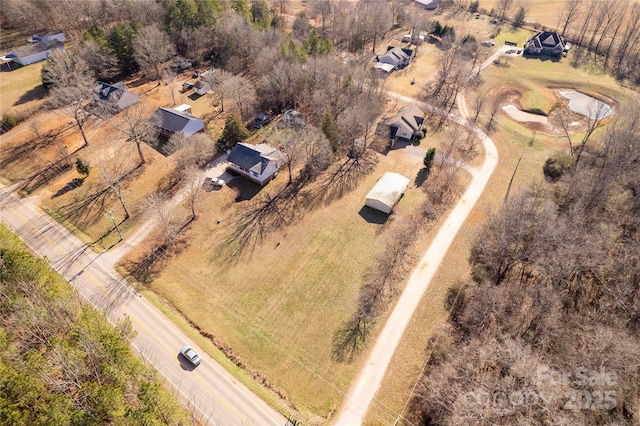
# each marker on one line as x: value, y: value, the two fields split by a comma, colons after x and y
x: 40, y: 56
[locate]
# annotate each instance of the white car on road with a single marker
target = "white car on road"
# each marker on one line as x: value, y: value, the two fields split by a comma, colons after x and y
x: 192, y: 356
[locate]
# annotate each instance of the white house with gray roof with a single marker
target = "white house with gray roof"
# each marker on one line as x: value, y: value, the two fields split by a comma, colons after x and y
x: 47, y: 36
x: 116, y: 95
x: 397, y: 57
x: 258, y: 163
x: 406, y: 124
x: 34, y: 52
x: 171, y: 121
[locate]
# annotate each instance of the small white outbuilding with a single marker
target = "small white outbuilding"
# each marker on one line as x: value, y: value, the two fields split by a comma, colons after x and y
x: 387, y: 192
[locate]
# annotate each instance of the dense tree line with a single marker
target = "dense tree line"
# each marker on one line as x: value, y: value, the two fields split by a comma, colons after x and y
x: 62, y: 362
x: 549, y: 329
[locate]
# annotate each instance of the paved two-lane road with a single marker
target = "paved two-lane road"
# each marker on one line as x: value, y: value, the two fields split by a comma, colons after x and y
x: 212, y: 393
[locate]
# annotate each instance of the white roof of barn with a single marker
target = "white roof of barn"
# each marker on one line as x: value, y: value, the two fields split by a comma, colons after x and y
x: 387, y: 192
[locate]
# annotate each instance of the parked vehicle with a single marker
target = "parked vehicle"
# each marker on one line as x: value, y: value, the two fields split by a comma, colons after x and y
x: 259, y: 122
x: 192, y: 356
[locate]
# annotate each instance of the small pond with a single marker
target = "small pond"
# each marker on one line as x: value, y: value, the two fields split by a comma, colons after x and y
x: 523, y: 116
x: 587, y: 105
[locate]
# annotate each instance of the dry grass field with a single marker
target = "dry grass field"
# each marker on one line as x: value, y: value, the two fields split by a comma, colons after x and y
x: 275, y: 309
x: 534, y: 80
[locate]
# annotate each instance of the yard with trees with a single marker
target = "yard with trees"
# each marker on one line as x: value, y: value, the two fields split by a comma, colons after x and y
x: 293, y: 281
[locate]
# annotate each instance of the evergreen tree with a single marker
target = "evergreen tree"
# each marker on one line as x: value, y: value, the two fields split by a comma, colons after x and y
x: 260, y: 14
x: 428, y: 159
x: 234, y: 131
x: 83, y: 167
x: 121, y: 42
x: 330, y: 129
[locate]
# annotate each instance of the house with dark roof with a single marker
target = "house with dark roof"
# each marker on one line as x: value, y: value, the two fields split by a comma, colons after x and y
x: 545, y: 43
x: 116, y: 95
x: 171, y: 121
x: 259, y: 163
x: 35, y: 52
x: 47, y: 36
x: 396, y: 56
x: 406, y: 124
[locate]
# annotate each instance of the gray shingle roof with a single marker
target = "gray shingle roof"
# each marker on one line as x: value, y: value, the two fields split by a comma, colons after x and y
x: 409, y: 117
x: 253, y: 157
x: 173, y: 121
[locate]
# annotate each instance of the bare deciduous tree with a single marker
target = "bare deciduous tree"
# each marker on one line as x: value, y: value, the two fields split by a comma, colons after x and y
x: 193, y: 185
x: 569, y: 13
x: 159, y: 208
x: 151, y: 48
x: 380, y: 21
x: 137, y: 123
x: 170, y: 80
x: 71, y: 85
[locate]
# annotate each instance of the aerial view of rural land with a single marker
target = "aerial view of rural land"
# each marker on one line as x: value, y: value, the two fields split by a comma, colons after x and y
x: 319, y: 212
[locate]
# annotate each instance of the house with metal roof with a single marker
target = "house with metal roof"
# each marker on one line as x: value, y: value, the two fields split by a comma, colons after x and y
x: 545, y: 43
x: 406, y: 124
x: 386, y: 193
x: 171, y: 121
x: 259, y: 163
x: 32, y: 53
x: 116, y: 95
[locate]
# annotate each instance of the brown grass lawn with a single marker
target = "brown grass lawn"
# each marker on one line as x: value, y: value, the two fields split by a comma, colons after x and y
x: 21, y: 90
x: 279, y: 307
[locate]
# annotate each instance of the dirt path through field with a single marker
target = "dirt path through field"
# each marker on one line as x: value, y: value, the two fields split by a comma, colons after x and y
x: 370, y: 377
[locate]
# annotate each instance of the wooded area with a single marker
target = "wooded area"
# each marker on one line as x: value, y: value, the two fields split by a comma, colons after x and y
x: 61, y: 362
x: 549, y: 329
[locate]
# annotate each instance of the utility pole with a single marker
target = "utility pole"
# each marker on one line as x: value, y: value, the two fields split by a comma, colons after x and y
x: 506, y: 196
x: 109, y: 214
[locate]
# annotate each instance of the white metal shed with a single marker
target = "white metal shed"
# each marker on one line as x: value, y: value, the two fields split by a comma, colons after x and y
x: 387, y: 192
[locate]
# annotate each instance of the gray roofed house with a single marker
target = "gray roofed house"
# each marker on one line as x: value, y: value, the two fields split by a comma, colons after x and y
x: 259, y: 163
x: 116, y: 94
x: 35, y: 52
x: 406, y: 124
x: 546, y: 43
x: 171, y: 121
x: 397, y: 57
x: 47, y: 36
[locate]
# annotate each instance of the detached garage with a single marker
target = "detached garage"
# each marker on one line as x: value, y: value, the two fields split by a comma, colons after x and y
x: 387, y: 192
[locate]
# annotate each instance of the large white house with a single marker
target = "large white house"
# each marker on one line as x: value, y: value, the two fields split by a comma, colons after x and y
x: 406, y: 124
x: 259, y: 163
x: 34, y: 52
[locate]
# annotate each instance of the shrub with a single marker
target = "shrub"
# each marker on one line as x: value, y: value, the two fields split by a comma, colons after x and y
x: 473, y: 6
x: 83, y: 167
x: 9, y: 121
x: 556, y: 166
